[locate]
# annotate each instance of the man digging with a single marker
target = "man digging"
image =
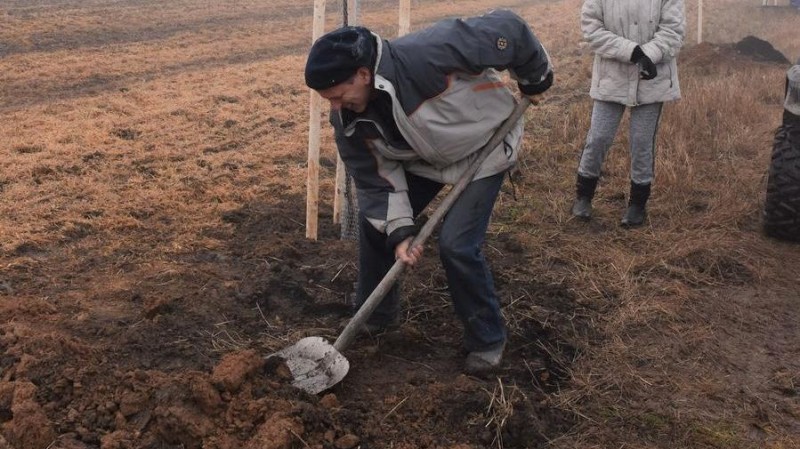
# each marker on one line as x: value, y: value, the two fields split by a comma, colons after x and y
x: 409, y: 115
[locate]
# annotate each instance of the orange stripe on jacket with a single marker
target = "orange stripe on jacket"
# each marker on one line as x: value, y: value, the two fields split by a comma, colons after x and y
x: 490, y: 85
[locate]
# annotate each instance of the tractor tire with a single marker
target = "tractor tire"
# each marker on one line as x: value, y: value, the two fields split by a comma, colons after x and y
x: 782, y: 205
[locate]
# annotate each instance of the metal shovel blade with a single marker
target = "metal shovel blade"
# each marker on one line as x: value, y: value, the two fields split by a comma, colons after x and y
x: 314, y: 363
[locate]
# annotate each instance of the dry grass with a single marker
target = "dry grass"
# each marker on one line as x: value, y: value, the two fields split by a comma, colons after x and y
x: 704, y: 237
x: 502, y: 401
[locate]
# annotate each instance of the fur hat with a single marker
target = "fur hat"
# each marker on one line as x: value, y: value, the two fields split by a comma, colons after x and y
x: 336, y: 56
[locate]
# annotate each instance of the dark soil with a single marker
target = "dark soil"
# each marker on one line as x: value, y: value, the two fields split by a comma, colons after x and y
x: 178, y: 361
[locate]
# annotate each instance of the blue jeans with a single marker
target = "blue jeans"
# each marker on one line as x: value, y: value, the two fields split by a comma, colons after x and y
x: 469, y: 279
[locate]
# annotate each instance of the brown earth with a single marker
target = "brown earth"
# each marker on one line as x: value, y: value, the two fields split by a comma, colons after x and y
x: 153, y: 254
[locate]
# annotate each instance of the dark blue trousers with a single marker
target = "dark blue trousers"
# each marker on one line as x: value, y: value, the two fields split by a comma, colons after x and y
x: 461, y: 240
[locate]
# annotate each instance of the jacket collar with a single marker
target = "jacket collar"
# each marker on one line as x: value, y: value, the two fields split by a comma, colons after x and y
x: 384, y: 64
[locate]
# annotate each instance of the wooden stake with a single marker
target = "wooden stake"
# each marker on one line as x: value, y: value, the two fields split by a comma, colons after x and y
x: 405, y: 17
x: 314, y: 127
x: 352, y: 12
x: 700, y: 22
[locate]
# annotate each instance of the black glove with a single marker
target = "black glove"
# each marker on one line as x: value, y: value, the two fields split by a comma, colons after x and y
x: 647, y: 70
x: 536, y: 89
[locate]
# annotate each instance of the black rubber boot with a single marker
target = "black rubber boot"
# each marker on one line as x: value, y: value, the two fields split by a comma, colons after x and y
x: 585, y: 187
x: 637, y: 210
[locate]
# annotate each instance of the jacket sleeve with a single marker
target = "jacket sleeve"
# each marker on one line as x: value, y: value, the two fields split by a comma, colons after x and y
x: 602, y: 41
x: 498, y: 40
x: 670, y: 34
x: 380, y: 183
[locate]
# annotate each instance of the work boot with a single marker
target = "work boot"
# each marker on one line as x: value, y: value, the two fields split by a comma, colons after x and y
x: 484, y: 362
x: 585, y: 187
x: 634, y: 216
x: 381, y: 320
x: 374, y: 328
x: 637, y: 211
x: 582, y: 208
x: 369, y: 329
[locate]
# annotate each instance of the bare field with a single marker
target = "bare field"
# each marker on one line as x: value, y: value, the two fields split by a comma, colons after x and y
x: 152, y: 250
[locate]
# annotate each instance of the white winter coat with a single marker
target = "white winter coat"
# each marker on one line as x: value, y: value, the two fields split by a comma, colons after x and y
x: 613, y: 28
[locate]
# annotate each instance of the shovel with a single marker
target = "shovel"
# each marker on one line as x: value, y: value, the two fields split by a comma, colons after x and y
x: 317, y: 365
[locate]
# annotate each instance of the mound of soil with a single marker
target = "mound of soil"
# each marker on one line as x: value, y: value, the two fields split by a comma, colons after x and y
x: 708, y: 58
x: 760, y: 50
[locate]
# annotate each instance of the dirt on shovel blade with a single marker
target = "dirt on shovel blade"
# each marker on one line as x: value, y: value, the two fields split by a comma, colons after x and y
x: 314, y: 364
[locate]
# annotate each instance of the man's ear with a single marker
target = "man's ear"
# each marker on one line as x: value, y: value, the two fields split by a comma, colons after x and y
x: 364, y: 75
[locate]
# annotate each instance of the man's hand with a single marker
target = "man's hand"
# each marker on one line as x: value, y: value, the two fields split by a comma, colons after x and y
x: 409, y: 256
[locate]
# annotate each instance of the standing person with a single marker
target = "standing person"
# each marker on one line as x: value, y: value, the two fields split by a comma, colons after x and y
x: 409, y: 116
x: 635, y: 43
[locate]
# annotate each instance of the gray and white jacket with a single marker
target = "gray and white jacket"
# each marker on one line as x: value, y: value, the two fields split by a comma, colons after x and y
x: 447, y: 98
x: 613, y: 28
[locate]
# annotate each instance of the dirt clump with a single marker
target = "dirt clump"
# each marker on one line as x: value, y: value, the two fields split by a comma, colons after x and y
x: 29, y: 426
x: 278, y: 432
x: 235, y: 368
